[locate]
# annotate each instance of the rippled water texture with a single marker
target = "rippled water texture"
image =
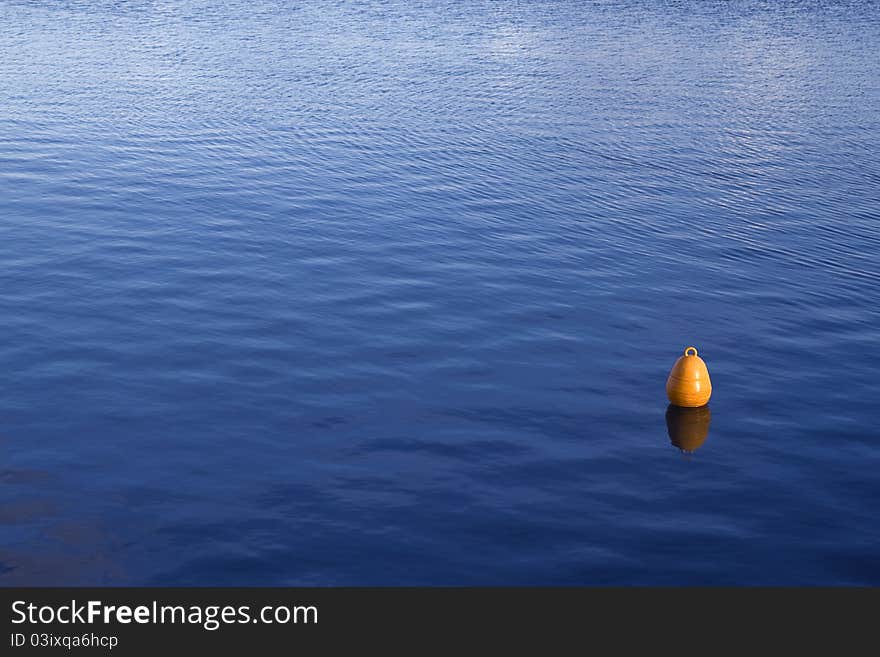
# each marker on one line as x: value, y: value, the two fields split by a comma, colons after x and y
x: 387, y: 293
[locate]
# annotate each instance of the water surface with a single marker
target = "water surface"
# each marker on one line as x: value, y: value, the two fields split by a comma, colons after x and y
x: 387, y: 293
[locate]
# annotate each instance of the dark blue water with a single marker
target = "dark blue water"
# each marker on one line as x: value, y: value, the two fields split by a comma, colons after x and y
x: 387, y: 293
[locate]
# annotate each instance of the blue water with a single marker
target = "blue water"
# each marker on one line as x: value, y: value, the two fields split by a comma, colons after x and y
x: 387, y: 293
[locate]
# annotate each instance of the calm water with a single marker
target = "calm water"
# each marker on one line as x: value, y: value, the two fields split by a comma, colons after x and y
x: 387, y: 293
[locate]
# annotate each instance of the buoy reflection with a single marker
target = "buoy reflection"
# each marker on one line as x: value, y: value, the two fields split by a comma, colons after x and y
x: 688, y: 427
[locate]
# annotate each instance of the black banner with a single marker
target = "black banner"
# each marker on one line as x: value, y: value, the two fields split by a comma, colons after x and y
x: 127, y: 621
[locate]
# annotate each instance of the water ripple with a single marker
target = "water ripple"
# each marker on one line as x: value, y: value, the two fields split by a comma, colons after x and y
x: 386, y: 293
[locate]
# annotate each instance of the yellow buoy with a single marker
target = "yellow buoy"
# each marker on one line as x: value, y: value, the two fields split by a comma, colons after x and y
x: 688, y: 427
x: 688, y: 383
